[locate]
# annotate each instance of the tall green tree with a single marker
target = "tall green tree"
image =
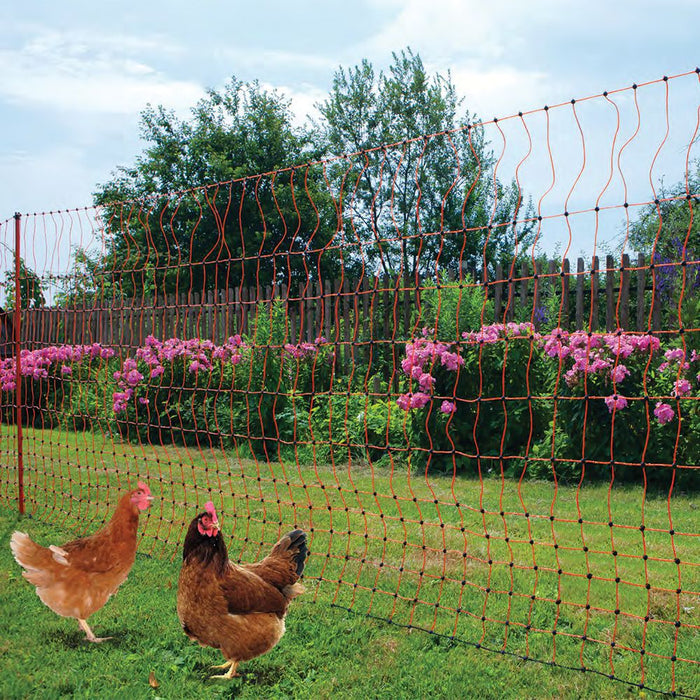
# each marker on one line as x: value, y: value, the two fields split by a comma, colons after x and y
x: 430, y: 201
x: 667, y: 231
x: 169, y: 229
x: 670, y: 225
x: 31, y: 287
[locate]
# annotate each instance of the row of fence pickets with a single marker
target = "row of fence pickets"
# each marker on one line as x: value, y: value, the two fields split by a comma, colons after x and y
x: 340, y: 311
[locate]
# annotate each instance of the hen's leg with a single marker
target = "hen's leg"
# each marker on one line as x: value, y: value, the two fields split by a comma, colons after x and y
x: 231, y: 673
x: 90, y: 634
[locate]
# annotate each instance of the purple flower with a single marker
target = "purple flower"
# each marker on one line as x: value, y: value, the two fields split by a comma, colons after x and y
x: 426, y: 382
x: 419, y: 399
x: 664, y: 413
x: 675, y: 354
x: 157, y: 371
x: 65, y: 369
x: 619, y: 373
x: 404, y: 402
x: 451, y: 360
x: 615, y: 402
x: 447, y: 407
x: 133, y: 377
x: 681, y: 387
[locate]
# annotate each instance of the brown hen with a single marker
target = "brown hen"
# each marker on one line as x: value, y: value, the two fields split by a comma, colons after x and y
x: 77, y: 578
x: 239, y: 609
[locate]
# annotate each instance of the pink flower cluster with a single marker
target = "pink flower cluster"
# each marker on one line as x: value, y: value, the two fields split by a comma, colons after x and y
x: 597, y: 353
x: 36, y: 364
x: 422, y: 357
x: 198, y: 355
x: 498, y: 331
x: 303, y: 350
x: 605, y: 355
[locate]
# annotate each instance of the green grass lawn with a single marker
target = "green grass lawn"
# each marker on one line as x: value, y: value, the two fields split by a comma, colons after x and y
x: 389, y: 544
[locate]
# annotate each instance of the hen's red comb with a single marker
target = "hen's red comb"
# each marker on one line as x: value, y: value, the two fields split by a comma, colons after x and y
x: 144, y: 487
x: 209, y: 507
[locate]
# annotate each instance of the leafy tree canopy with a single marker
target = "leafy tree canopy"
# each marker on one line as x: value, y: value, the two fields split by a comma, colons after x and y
x: 426, y: 203
x: 667, y: 231
x: 169, y: 232
x: 31, y: 287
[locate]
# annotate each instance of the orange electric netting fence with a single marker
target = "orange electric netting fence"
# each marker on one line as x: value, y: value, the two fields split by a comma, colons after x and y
x: 400, y: 350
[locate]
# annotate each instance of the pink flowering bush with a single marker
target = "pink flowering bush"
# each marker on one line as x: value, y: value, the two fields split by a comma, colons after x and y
x: 60, y: 384
x: 617, y: 395
x: 172, y: 388
x: 254, y: 393
x: 473, y: 393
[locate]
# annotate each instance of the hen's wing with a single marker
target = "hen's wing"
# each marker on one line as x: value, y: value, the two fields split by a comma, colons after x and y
x: 98, y: 553
x: 246, y: 592
x: 284, y: 565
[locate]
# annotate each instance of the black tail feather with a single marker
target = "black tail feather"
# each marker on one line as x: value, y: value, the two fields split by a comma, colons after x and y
x: 298, y: 540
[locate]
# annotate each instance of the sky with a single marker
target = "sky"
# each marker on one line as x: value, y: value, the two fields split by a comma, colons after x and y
x: 75, y: 75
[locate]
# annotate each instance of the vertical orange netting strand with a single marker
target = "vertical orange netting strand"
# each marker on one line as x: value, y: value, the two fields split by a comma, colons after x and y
x: 620, y: 325
x: 281, y: 296
x: 478, y: 399
x: 504, y: 404
x: 611, y: 521
x: 245, y: 325
x: 555, y: 407
x: 187, y: 329
x: 355, y: 355
x: 174, y: 306
x: 508, y: 307
x: 413, y: 333
x: 315, y: 340
x: 679, y: 401
x: 341, y: 342
x: 655, y: 300
x: 7, y: 493
x: 456, y: 499
x: 289, y: 335
x: 337, y: 346
x: 261, y: 342
x: 453, y: 397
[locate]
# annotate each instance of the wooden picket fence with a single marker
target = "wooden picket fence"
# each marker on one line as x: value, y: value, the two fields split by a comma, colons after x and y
x: 619, y: 295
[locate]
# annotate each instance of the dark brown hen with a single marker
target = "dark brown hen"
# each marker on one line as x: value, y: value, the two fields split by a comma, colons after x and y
x: 239, y: 609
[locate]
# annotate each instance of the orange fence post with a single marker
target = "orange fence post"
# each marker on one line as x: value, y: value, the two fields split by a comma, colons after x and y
x: 18, y: 366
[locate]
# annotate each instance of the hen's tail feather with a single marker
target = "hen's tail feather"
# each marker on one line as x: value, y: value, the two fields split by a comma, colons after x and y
x: 298, y: 540
x: 27, y: 553
x: 35, y: 559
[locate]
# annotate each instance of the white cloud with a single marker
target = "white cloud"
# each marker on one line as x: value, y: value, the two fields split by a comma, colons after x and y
x: 450, y: 28
x: 500, y: 91
x: 482, y: 45
x: 94, y: 74
x: 263, y: 61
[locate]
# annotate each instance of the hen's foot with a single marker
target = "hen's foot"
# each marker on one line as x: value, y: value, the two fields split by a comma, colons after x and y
x: 90, y: 634
x: 231, y: 673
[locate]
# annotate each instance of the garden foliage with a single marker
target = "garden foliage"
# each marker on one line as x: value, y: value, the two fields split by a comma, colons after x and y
x: 503, y: 397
